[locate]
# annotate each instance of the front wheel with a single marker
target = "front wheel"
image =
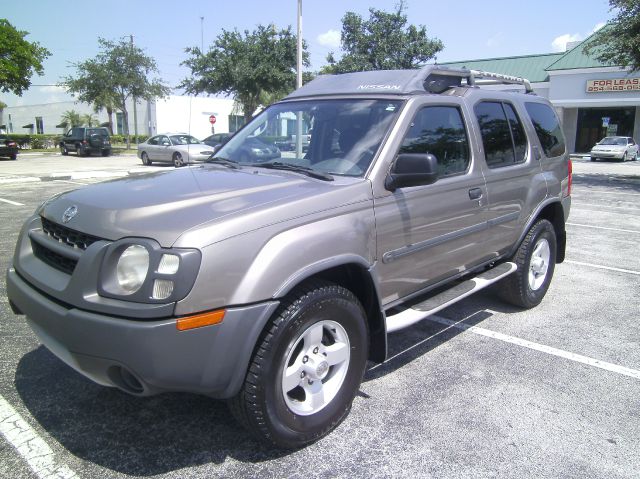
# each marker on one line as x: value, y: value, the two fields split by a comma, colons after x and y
x: 536, y: 259
x: 307, y: 367
x: 63, y: 150
x: 145, y: 159
x: 177, y: 160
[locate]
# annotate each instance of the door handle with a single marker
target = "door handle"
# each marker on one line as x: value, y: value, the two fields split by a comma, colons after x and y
x: 475, y: 193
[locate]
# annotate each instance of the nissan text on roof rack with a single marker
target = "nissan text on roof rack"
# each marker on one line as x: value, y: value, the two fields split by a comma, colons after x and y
x: 271, y: 280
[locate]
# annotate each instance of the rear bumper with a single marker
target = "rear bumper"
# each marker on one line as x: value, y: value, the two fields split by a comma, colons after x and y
x: 144, y: 357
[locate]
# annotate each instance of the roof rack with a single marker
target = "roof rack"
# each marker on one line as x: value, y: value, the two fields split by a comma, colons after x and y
x: 430, y: 79
x: 471, y: 76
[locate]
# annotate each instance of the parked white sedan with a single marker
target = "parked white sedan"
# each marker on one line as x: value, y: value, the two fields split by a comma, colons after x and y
x: 177, y: 148
x: 617, y: 147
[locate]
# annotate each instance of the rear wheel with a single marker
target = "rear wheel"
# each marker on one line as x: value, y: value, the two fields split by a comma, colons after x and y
x: 106, y: 152
x: 307, y: 367
x: 177, y: 160
x: 536, y: 259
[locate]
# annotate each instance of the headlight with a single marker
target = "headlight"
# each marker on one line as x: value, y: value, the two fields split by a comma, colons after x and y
x: 141, y: 271
x: 132, y: 268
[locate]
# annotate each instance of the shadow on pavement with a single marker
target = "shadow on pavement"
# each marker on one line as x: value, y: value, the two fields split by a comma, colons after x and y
x: 130, y: 435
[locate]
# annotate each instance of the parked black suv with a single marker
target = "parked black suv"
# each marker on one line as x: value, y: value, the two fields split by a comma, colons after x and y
x: 85, y: 141
x: 8, y: 148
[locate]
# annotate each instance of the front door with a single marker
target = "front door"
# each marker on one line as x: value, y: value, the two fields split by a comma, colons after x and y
x: 429, y: 233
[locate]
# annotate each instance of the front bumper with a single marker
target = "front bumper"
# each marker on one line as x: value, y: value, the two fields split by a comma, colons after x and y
x: 144, y: 357
x: 616, y: 155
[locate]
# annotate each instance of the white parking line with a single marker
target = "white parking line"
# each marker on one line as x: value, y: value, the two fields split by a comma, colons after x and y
x: 603, y: 228
x: 599, y: 266
x: 14, y: 203
x: 538, y: 347
x: 602, y: 207
x: 29, y: 445
x: 599, y: 192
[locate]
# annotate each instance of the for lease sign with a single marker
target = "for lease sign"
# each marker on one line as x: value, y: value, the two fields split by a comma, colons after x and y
x: 617, y: 84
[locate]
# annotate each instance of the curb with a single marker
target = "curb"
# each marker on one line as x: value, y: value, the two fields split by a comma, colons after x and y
x: 80, y: 175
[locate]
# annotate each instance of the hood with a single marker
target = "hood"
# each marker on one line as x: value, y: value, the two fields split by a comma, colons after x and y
x: 163, y: 205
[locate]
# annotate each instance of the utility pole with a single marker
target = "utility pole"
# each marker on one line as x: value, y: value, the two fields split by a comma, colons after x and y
x: 202, y: 35
x: 135, y: 110
x: 299, y: 83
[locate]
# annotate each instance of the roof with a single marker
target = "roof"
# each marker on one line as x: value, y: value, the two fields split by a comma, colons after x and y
x: 531, y: 67
x: 577, y: 58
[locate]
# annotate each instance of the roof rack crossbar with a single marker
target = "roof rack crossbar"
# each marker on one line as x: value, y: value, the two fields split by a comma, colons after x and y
x: 487, y: 77
x: 498, y: 78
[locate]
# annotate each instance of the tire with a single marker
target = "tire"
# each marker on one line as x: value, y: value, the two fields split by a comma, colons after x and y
x: 80, y: 151
x: 177, y: 160
x: 319, y: 335
x: 13, y: 157
x: 593, y: 158
x: 106, y: 152
x: 145, y: 159
x: 63, y: 150
x: 536, y: 260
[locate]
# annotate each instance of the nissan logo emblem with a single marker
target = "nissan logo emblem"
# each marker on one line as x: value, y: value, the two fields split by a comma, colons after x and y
x: 69, y: 213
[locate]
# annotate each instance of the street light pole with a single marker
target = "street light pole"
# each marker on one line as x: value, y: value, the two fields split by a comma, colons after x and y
x: 202, y: 35
x: 299, y: 83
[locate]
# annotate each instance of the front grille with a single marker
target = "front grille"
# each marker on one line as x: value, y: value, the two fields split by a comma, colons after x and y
x: 59, y: 262
x: 65, y: 235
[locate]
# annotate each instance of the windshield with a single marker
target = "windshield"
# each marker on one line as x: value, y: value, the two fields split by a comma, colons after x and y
x: 338, y: 137
x: 611, y: 140
x: 184, y: 140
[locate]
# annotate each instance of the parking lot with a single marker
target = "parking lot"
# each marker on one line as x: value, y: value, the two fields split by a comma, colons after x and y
x: 480, y: 390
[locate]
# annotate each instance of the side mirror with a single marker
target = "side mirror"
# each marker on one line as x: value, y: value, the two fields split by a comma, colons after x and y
x: 412, y: 169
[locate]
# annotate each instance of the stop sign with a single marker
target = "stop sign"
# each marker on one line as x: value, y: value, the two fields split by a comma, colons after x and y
x: 212, y: 119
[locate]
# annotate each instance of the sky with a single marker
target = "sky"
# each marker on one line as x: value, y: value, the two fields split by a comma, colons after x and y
x: 163, y: 29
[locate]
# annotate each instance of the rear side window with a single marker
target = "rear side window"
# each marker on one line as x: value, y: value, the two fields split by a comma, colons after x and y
x: 547, y: 127
x: 503, y: 137
x: 440, y: 131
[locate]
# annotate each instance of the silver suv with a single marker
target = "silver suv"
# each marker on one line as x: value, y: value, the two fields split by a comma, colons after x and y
x: 271, y: 281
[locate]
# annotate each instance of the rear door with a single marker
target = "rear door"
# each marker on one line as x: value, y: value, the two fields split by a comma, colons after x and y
x: 429, y: 233
x: 515, y: 183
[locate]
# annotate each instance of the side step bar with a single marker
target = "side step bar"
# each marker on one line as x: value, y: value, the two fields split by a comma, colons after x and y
x: 420, y: 311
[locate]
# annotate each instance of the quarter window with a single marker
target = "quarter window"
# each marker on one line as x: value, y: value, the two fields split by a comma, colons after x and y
x: 503, y: 137
x: 440, y: 131
x: 547, y: 127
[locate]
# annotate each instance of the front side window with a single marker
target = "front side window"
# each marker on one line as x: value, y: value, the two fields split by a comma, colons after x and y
x: 337, y: 137
x: 502, y: 133
x: 547, y: 127
x: 440, y: 131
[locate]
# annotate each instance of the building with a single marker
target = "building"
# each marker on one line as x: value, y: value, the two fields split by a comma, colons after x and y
x: 189, y: 114
x: 593, y: 100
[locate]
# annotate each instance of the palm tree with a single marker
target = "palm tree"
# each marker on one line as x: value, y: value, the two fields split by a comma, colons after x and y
x: 71, y: 118
x: 89, y: 120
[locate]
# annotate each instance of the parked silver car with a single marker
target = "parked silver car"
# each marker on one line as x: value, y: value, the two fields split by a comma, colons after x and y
x: 615, y: 147
x: 176, y: 148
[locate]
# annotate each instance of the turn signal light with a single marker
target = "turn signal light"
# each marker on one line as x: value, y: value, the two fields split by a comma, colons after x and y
x: 200, y: 320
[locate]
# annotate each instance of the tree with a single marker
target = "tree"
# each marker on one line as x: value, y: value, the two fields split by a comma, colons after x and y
x: 89, y: 120
x: 618, y: 43
x: 383, y: 42
x: 19, y: 59
x: 120, y: 71
x: 71, y: 118
x: 251, y: 67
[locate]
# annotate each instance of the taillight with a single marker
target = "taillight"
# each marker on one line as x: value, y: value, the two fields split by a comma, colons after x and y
x: 85, y: 142
x: 11, y: 143
x: 570, y: 178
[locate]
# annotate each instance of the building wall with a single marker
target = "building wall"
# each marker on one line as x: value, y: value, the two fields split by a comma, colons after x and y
x: 568, y: 88
x: 190, y: 114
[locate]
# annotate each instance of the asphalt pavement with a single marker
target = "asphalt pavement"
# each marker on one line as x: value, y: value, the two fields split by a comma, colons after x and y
x: 481, y: 390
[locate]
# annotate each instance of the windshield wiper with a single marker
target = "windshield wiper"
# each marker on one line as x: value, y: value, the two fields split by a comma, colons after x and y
x: 224, y: 162
x: 277, y: 165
